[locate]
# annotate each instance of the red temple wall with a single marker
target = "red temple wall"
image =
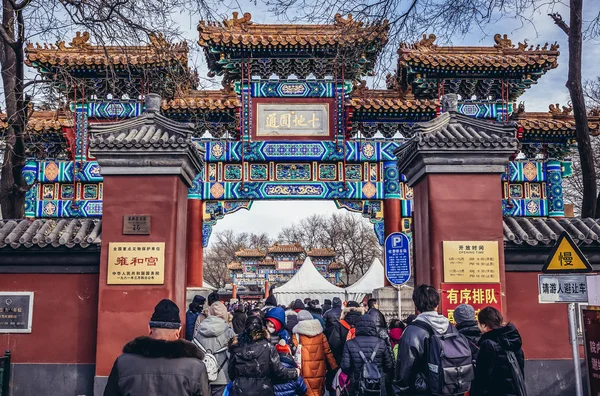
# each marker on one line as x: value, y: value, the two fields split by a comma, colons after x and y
x: 543, y: 327
x: 65, y: 309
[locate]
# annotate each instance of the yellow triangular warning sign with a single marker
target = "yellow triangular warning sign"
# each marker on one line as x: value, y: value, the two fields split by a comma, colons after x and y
x: 566, y: 257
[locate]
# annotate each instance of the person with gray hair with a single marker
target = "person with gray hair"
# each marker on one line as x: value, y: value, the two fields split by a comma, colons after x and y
x: 160, y: 363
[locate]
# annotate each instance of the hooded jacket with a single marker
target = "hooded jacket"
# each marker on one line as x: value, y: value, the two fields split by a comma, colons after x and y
x: 190, y: 323
x: 254, y: 364
x: 493, y: 373
x: 472, y: 333
x: 290, y: 388
x: 237, y: 322
x: 213, y: 334
x: 291, y: 320
x: 367, y: 340
x: 336, y: 335
x: 409, y: 377
x: 315, y: 354
x: 278, y: 314
x: 152, y: 367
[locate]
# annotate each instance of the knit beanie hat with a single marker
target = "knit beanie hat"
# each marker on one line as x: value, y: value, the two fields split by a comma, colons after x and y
x: 337, y: 302
x: 464, y: 313
x: 219, y: 310
x: 271, y: 301
x: 283, y: 347
x: 304, y: 315
x: 352, y: 304
x: 277, y: 324
x: 298, y: 304
x: 165, y: 316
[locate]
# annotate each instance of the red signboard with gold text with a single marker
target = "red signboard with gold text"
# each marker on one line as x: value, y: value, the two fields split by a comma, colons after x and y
x: 478, y: 295
x: 591, y: 337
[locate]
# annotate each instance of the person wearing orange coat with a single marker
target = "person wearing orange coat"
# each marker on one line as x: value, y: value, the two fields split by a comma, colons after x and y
x: 316, y: 353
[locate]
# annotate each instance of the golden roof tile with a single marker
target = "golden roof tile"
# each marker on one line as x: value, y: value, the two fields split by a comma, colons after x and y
x: 234, y: 266
x: 243, y: 32
x: 267, y: 261
x: 327, y: 252
x: 503, y: 55
x: 43, y: 121
x: 291, y: 248
x: 388, y: 99
x: 250, y: 253
x: 203, y: 100
x: 554, y: 120
x: 81, y: 53
x: 335, y: 266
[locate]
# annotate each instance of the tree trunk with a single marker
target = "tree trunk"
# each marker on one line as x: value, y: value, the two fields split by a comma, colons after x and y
x: 575, y: 86
x: 12, y: 183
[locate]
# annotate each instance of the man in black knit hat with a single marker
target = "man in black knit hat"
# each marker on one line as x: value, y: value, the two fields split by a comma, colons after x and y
x: 161, y: 363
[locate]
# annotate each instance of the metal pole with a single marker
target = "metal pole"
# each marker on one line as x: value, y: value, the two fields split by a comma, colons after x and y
x: 575, y: 348
x: 399, y: 303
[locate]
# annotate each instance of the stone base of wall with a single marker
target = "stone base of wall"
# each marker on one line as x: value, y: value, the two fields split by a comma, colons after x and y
x: 29, y: 379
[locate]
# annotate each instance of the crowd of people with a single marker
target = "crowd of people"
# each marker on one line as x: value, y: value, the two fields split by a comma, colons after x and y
x: 305, y: 348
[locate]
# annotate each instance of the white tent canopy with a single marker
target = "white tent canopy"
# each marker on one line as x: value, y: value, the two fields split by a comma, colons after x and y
x: 207, y: 285
x: 307, y: 282
x: 371, y: 280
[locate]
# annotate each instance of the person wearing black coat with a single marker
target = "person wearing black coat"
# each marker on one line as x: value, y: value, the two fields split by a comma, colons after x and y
x: 367, y: 340
x: 466, y: 324
x: 254, y: 363
x: 336, y: 337
x: 326, y: 305
x: 332, y: 315
x: 238, y: 320
x: 494, y: 375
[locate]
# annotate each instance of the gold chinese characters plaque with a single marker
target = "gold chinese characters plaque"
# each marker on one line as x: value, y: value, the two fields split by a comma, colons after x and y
x: 471, y: 262
x: 136, y: 263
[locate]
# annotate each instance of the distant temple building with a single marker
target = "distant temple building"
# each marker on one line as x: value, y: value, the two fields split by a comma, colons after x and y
x: 258, y: 269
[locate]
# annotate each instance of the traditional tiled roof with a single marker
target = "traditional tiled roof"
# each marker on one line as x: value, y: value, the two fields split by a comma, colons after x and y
x: 80, y: 53
x: 335, y: 266
x: 555, y: 122
x: 388, y: 99
x: 43, y: 232
x: 547, y: 231
x: 43, y: 121
x: 327, y: 252
x: 268, y: 261
x: 291, y: 248
x: 209, y: 100
x: 243, y: 32
x: 250, y: 253
x: 234, y: 266
x: 503, y: 55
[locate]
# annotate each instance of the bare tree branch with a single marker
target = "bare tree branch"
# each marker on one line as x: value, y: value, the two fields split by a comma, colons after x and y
x: 558, y: 20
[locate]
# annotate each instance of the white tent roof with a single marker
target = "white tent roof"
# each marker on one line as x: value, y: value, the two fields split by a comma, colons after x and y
x: 207, y: 285
x: 307, y: 282
x: 371, y: 280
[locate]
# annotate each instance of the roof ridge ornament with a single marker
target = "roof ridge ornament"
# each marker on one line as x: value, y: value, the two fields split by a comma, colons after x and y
x: 81, y: 40
x: 450, y: 103
x: 556, y: 112
x: 242, y: 22
x: 503, y: 42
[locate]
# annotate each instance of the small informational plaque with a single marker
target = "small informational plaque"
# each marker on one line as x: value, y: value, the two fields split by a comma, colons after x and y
x: 136, y: 263
x: 16, y: 312
x: 471, y: 262
x: 136, y: 225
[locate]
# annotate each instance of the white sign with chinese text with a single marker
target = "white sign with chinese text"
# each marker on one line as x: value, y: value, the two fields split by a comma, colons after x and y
x: 136, y: 263
x: 563, y: 288
x: 292, y: 119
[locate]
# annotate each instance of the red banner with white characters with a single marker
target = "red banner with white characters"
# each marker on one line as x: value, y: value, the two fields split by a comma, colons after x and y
x: 478, y: 295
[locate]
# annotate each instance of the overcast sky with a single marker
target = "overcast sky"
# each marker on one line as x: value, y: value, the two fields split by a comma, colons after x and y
x: 271, y: 216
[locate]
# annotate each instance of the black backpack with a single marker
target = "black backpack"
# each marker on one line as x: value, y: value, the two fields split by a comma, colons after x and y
x: 448, y: 361
x: 370, y: 378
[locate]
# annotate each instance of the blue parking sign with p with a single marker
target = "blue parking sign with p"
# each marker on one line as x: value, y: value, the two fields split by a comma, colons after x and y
x: 397, y: 258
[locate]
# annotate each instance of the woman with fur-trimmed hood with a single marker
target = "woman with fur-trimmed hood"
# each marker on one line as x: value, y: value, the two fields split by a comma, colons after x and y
x: 316, y: 353
x: 254, y: 362
x: 338, y: 334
